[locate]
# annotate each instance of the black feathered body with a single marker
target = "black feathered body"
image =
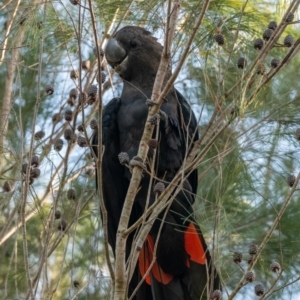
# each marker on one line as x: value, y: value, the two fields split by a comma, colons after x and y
x: 182, y: 259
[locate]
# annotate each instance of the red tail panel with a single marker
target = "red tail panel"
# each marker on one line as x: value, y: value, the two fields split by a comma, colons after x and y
x: 193, y: 245
x: 145, y: 259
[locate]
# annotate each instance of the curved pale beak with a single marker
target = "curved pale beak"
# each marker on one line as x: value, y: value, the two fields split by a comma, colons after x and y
x: 114, y: 52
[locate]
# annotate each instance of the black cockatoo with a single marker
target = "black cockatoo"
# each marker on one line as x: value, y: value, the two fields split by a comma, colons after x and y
x: 183, y: 267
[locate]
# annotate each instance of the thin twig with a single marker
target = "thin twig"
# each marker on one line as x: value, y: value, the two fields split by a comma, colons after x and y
x: 100, y: 151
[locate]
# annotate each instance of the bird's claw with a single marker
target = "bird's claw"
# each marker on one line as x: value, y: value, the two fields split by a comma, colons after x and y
x: 163, y: 115
x: 136, y: 161
x: 150, y: 102
x: 154, y: 119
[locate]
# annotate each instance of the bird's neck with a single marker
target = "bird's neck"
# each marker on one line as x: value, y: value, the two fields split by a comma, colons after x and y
x: 142, y: 85
x: 137, y: 88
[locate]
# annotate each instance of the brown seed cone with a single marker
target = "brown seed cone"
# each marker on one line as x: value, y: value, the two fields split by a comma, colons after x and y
x: 258, y: 44
x: 94, y: 124
x: 250, y: 276
x: 57, y: 214
x: 7, y: 186
x: 237, y: 257
x: 49, y: 89
x: 71, y: 194
x: 35, y: 161
x: 39, y: 25
x: 74, y: 74
x: 253, y: 248
x: 123, y: 158
x: 58, y: 145
x: 35, y: 173
x: 39, y: 135
x: 62, y: 225
x: 272, y: 25
x: 80, y: 128
x: 289, y: 18
x: 68, y: 115
x: 24, y: 168
x: 267, y: 34
x: 103, y: 77
x: 92, y: 90
x: 92, y: 94
x: 82, y: 142
x: 275, y: 63
x: 68, y: 134
x: 241, y: 63
x: 291, y: 180
x: 159, y: 187
x: 259, y: 289
x: 57, y: 117
x: 219, y: 38
x: 288, y: 41
x: 71, y: 102
x: 216, y: 295
x: 85, y: 65
x: 275, y: 267
x: 73, y: 93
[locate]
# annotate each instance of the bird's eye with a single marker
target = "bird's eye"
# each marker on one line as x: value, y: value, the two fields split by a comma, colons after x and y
x: 133, y: 44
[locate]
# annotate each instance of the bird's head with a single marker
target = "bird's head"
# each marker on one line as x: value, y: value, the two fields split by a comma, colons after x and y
x: 134, y: 53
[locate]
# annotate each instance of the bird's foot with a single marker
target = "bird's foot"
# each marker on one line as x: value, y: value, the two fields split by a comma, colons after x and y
x: 163, y: 115
x: 137, y: 161
x: 154, y: 119
x: 150, y: 102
